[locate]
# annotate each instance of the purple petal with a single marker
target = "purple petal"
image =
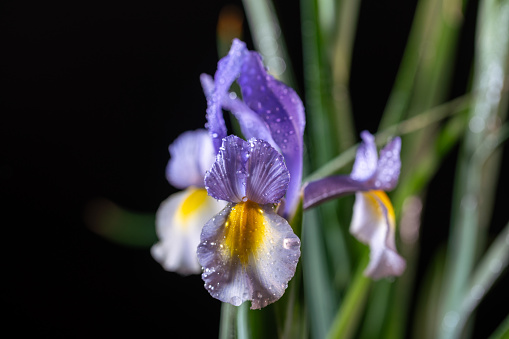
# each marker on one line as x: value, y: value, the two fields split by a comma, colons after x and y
x: 179, y: 232
x: 366, y: 158
x: 192, y: 154
x: 389, y: 165
x: 319, y: 191
x: 283, y: 111
x: 226, y: 180
x: 228, y: 69
x: 373, y: 223
x: 268, y: 177
x: 258, y: 271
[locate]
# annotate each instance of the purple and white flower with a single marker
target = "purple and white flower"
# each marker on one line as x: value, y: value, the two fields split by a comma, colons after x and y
x: 180, y: 218
x: 248, y: 251
x: 373, y: 220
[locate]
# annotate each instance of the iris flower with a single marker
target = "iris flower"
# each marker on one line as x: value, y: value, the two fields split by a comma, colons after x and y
x: 180, y: 218
x: 373, y: 220
x: 248, y: 251
x: 269, y: 110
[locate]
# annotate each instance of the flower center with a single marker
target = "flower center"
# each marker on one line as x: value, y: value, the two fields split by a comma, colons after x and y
x: 192, y: 202
x: 244, y: 230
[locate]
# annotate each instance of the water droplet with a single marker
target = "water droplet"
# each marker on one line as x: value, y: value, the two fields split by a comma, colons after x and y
x: 288, y: 243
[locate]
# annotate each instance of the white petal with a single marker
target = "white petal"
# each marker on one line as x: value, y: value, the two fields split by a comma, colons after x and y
x: 179, y: 235
x: 373, y: 223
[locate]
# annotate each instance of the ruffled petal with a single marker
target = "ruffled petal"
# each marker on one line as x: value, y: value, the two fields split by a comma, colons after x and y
x: 192, y: 155
x: 268, y: 177
x: 283, y: 111
x: 248, y: 252
x: 373, y: 223
x: 366, y: 159
x: 319, y: 191
x: 179, y: 221
x: 251, y: 124
x: 226, y: 180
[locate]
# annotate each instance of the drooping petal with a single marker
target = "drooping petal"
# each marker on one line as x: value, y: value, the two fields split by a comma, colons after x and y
x: 248, y: 252
x: 192, y: 155
x: 373, y: 223
x: 251, y: 124
x: 283, y: 111
x: 319, y: 191
x: 179, y: 221
x: 228, y: 69
x: 366, y: 159
x: 268, y: 177
x: 227, y: 178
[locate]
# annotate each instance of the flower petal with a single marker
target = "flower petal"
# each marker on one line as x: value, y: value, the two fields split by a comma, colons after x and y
x: 248, y: 252
x: 283, y: 111
x: 366, y: 159
x: 373, y: 223
x: 228, y: 69
x: 192, y: 155
x: 226, y: 180
x: 389, y: 166
x: 251, y: 124
x: 268, y: 177
x: 179, y: 221
x: 319, y: 191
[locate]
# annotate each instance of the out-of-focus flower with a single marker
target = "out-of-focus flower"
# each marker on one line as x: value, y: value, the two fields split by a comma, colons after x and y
x: 180, y: 218
x: 248, y: 251
x: 373, y: 220
x: 269, y: 110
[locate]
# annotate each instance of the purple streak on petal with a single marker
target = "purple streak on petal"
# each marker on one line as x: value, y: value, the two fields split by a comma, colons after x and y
x: 226, y: 180
x: 389, y: 165
x: 228, y: 69
x: 283, y: 111
x: 192, y: 154
x: 366, y: 158
x: 268, y: 177
x: 319, y: 191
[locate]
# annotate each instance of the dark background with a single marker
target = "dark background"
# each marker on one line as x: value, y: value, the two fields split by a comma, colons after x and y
x: 91, y: 97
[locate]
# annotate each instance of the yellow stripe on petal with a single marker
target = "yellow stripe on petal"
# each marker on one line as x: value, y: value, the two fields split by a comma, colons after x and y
x: 384, y: 199
x: 244, y: 230
x: 192, y: 203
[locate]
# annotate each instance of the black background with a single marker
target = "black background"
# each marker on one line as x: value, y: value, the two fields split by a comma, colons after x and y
x: 91, y: 97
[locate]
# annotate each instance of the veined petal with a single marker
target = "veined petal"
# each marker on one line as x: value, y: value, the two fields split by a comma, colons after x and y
x: 366, y: 159
x: 373, y: 223
x: 268, y: 177
x: 179, y: 221
x: 283, y: 111
x: 251, y: 124
x: 319, y: 191
x: 192, y: 155
x: 227, y: 178
x: 248, y: 252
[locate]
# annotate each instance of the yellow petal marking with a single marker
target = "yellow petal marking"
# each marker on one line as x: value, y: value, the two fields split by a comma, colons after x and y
x: 244, y: 230
x: 382, y: 198
x: 191, y: 203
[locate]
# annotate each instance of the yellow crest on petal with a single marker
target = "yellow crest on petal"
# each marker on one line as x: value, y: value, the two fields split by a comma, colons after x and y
x: 193, y: 202
x: 244, y: 230
x: 380, y: 197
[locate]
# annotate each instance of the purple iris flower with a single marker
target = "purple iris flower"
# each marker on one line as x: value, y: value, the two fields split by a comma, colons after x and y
x: 373, y: 220
x: 269, y: 110
x: 248, y: 251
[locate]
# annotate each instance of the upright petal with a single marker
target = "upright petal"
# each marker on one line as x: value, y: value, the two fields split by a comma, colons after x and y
x: 283, y: 111
x: 192, y: 155
x: 179, y: 221
x: 228, y: 69
x: 366, y: 159
x: 373, y: 223
x: 227, y: 178
x: 268, y: 177
x: 389, y: 166
x: 248, y: 252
